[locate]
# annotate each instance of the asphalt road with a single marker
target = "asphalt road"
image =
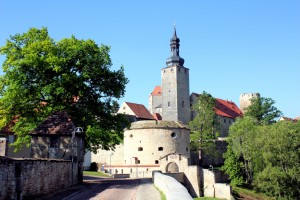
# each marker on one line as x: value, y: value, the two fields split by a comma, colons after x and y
x: 95, y: 188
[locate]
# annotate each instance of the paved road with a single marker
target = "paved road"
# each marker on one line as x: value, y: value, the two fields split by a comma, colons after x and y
x: 95, y: 188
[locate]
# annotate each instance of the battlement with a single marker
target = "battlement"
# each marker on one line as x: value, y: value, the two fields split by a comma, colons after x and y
x: 249, y: 95
x: 245, y: 100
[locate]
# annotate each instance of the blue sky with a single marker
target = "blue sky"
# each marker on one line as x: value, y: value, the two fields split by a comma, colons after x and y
x: 231, y: 47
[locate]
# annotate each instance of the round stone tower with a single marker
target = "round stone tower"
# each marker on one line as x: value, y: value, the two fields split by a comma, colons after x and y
x: 146, y: 142
x: 245, y: 100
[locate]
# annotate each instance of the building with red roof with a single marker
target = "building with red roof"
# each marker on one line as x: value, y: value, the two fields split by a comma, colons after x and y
x: 289, y: 119
x: 155, y: 101
x: 227, y: 111
x: 135, y: 112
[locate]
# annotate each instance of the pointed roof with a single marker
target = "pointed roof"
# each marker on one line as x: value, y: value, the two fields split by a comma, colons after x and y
x: 156, y: 91
x: 59, y: 123
x: 174, y: 59
x: 139, y: 110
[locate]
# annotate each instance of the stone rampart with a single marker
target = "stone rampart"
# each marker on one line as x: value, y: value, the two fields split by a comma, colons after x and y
x: 214, y: 189
x: 171, y: 187
x: 29, y: 178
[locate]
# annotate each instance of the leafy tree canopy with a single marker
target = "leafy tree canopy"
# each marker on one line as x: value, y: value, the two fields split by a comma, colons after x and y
x: 265, y: 157
x: 42, y: 76
x: 205, y: 125
x: 263, y: 110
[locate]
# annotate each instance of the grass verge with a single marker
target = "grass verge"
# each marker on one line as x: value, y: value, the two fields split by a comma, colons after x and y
x: 162, y: 195
x: 93, y: 173
x: 244, y: 192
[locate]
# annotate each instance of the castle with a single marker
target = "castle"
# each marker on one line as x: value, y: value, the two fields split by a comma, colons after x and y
x: 159, y: 138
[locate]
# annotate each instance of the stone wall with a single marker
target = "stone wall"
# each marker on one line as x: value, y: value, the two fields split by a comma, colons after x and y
x: 28, y: 178
x: 109, y: 157
x: 171, y: 187
x: 211, y: 186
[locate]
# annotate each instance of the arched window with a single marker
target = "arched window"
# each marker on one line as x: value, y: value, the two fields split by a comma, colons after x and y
x: 140, y: 149
x: 160, y: 148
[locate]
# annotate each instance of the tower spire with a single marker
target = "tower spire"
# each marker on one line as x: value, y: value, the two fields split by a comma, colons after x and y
x: 175, y: 59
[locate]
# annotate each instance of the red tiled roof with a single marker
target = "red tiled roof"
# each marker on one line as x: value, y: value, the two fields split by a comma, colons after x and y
x: 227, y: 108
x: 156, y: 91
x: 140, y: 110
x: 59, y: 123
x: 157, y: 116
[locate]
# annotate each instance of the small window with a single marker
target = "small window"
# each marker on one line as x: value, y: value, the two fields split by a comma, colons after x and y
x: 156, y: 162
x: 182, y: 103
x: 11, y: 139
x: 179, y: 156
x: 160, y: 148
x: 138, y: 162
x: 169, y: 104
x: 54, y: 142
x: 130, y: 135
x: 171, y: 69
x: 224, y: 120
x: 187, y: 149
x: 173, y: 135
x: 140, y: 149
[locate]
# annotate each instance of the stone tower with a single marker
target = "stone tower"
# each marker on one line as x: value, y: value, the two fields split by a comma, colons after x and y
x: 175, y: 86
x: 245, y: 100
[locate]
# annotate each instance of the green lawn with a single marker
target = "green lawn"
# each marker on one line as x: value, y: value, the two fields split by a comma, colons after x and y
x: 93, y: 173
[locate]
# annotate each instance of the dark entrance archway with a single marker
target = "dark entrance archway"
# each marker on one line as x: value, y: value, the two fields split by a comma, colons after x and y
x: 172, y: 168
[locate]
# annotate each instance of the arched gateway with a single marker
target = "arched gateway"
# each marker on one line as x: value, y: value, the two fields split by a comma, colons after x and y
x: 172, y: 168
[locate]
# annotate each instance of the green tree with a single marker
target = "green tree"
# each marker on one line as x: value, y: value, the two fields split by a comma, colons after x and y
x: 281, y: 154
x: 243, y: 151
x: 265, y: 157
x: 263, y: 110
x: 205, y: 125
x: 42, y: 76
